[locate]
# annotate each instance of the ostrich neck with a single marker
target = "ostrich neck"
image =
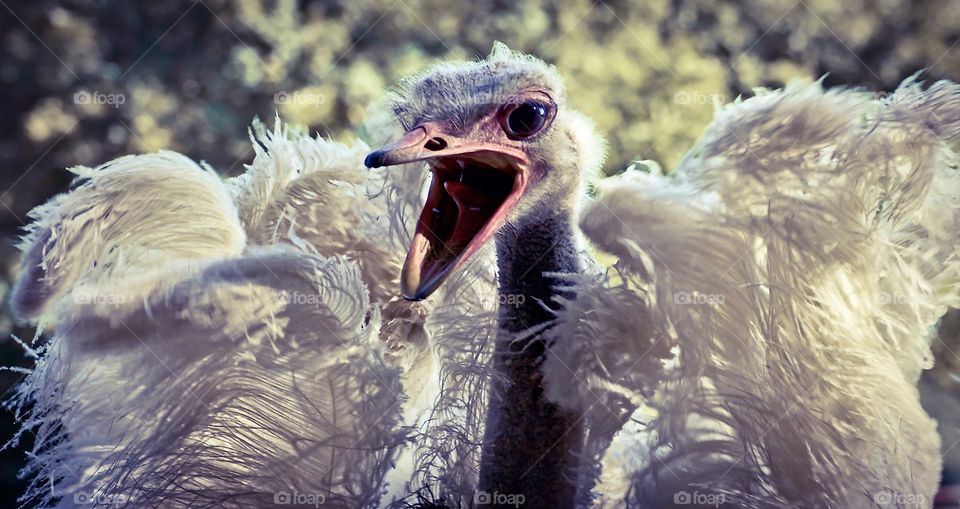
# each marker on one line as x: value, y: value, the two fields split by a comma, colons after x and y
x: 531, y: 444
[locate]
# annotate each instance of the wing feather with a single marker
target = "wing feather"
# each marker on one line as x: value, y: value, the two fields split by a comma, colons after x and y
x: 798, y: 259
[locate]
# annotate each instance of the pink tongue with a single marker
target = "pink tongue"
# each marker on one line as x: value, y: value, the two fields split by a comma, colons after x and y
x: 474, y: 210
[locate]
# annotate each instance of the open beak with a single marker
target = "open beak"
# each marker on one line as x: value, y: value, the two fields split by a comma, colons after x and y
x: 474, y: 187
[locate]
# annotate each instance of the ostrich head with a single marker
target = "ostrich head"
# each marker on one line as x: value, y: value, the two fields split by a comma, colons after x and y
x: 502, y: 147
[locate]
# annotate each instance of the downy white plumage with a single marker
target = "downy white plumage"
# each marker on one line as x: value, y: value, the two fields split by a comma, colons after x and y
x: 757, y: 344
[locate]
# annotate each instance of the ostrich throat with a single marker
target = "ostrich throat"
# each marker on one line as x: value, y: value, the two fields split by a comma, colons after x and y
x: 531, y: 444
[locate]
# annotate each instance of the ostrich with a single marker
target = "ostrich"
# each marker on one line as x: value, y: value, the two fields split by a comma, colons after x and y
x: 757, y: 343
x: 509, y: 166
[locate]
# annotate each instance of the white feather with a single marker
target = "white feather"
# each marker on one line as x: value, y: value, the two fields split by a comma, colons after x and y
x: 218, y: 344
x: 798, y: 259
x: 224, y: 381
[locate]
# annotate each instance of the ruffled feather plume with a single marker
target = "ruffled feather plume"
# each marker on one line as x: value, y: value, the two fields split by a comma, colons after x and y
x: 757, y: 343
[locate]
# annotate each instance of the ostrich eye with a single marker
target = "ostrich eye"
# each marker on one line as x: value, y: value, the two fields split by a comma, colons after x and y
x: 525, y: 119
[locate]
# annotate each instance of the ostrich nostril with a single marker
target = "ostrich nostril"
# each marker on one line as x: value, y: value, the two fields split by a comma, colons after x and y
x: 435, y: 144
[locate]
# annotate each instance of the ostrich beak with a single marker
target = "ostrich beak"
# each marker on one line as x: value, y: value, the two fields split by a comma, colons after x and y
x: 475, y: 185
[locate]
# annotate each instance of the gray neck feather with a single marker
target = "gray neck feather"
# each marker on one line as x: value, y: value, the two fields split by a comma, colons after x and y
x: 531, y: 445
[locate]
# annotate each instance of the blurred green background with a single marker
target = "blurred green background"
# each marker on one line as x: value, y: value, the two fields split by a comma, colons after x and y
x: 86, y: 81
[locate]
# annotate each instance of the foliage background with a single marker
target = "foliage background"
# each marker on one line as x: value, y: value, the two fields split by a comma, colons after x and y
x: 192, y: 75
